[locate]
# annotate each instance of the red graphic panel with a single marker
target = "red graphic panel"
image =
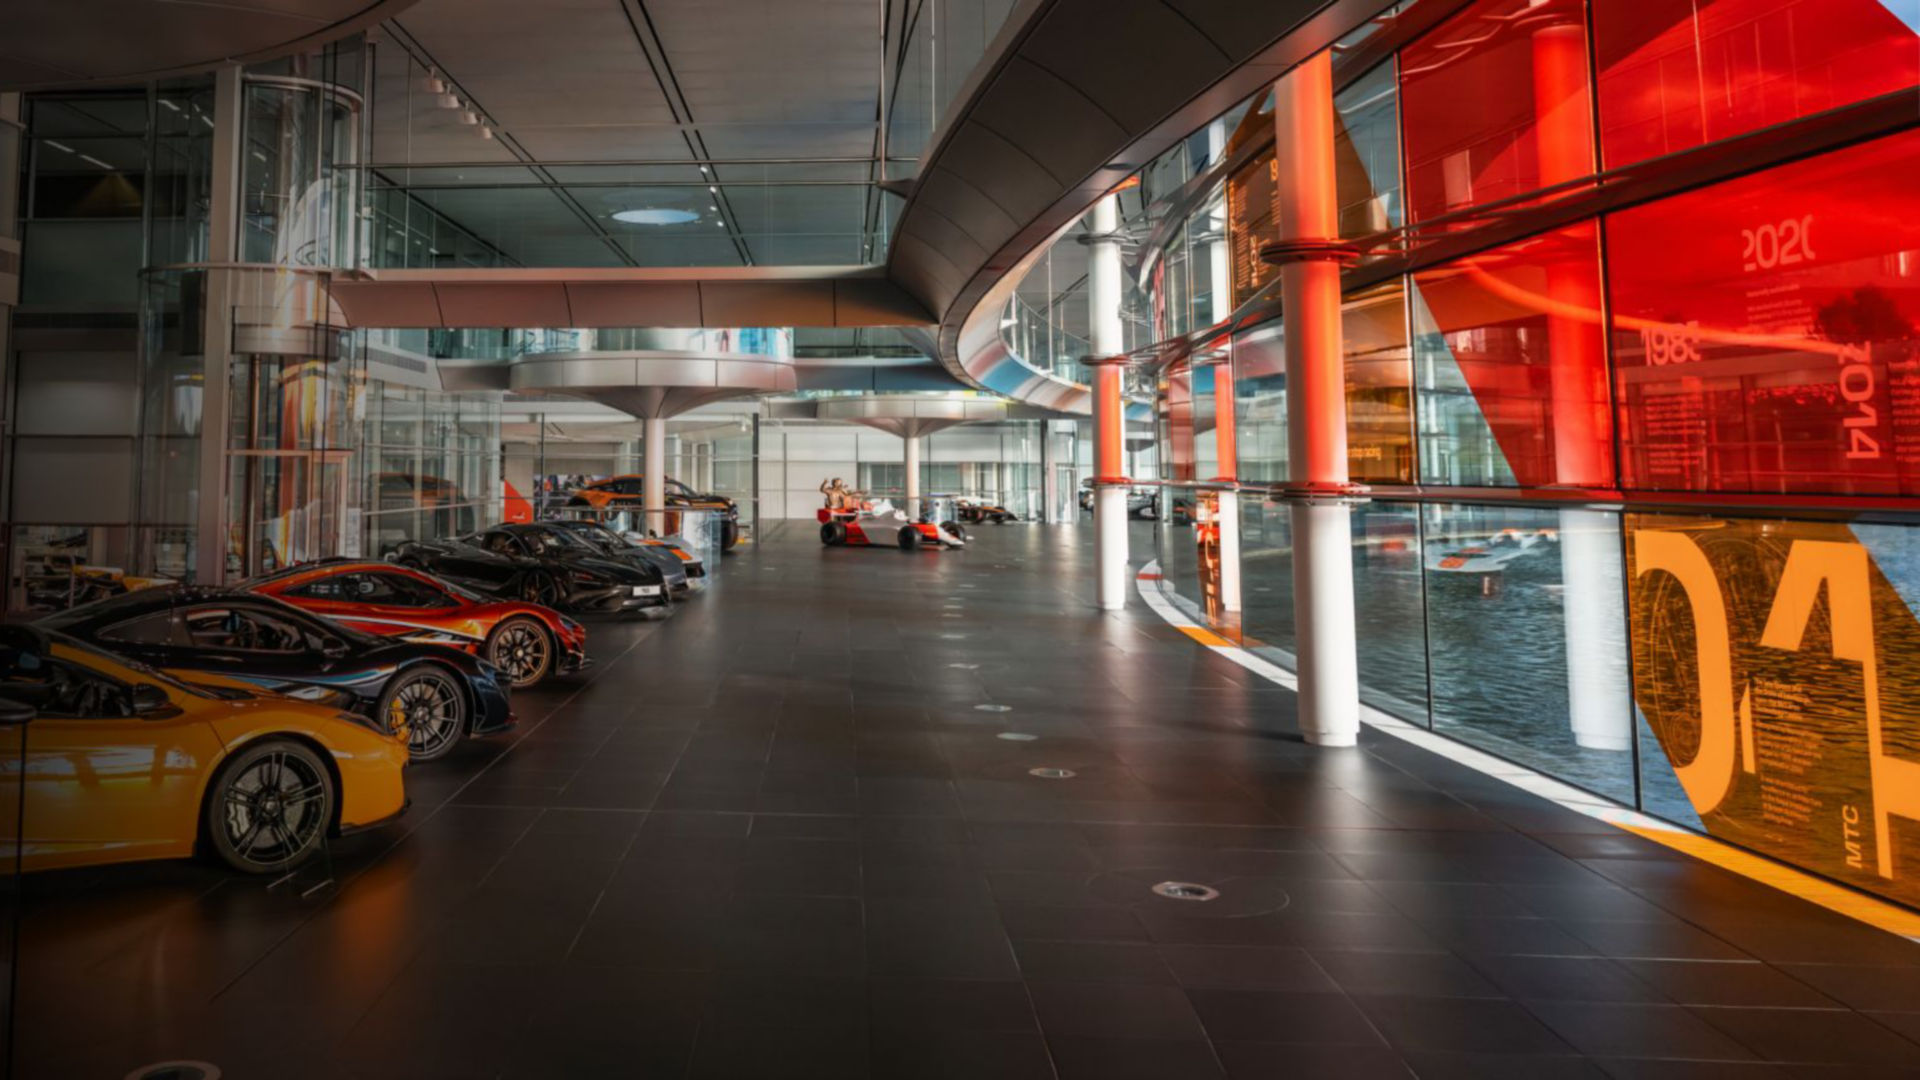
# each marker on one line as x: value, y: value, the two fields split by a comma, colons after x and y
x: 1676, y: 74
x: 1178, y: 394
x: 1764, y: 329
x: 1494, y: 104
x: 1522, y: 325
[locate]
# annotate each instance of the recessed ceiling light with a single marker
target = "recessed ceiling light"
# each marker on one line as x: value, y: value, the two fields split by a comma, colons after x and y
x: 656, y: 215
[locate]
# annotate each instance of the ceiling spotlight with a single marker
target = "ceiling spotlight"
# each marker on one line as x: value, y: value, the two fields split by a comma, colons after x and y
x: 433, y: 84
x: 722, y: 224
x: 710, y: 187
x: 655, y: 215
x: 469, y: 117
x: 486, y: 132
x: 444, y: 101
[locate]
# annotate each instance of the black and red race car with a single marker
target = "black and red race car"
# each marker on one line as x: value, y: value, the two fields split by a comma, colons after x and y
x: 981, y: 513
x: 527, y: 642
x: 882, y: 525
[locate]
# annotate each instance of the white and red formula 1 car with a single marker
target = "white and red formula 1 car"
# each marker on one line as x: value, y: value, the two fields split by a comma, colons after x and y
x: 879, y: 524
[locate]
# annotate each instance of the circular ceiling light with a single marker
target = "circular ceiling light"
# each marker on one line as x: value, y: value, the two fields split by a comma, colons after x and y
x: 656, y: 215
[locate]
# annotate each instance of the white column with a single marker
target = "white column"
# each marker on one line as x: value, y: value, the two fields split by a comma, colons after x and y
x: 1307, y: 215
x: 1594, y: 609
x: 654, y: 473
x: 1107, y: 339
x: 913, y: 477
x: 223, y: 246
x: 1049, y: 477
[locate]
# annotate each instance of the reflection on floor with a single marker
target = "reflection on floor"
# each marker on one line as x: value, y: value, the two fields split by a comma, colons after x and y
x: 778, y: 836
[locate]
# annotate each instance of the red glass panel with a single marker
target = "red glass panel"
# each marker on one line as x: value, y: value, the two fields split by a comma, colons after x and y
x: 1676, y: 74
x: 1764, y: 329
x: 1494, y: 104
x: 1515, y: 348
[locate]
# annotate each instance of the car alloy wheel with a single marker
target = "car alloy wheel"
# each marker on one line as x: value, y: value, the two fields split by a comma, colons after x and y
x: 540, y: 588
x: 427, y: 705
x: 522, y: 649
x: 271, y: 807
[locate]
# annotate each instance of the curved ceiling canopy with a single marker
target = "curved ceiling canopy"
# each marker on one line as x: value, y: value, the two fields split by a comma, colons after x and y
x: 48, y: 43
x: 650, y: 384
x: 912, y: 415
x: 1072, y: 101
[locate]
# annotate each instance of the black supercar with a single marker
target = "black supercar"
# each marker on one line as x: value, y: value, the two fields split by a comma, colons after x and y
x: 613, y: 545
x: 540, y: 564
x: 440, y: 694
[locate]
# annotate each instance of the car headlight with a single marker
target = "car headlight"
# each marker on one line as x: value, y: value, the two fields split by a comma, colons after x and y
x: 571, y: 627
x: 581, y: 577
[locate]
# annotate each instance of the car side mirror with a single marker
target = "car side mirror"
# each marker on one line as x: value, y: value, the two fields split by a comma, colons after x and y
x: 13, y: 712
x: 147, y: 699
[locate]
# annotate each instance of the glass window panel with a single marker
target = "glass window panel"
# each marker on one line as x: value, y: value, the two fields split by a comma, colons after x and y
x: 1494, y: 104
x: 1675, y: 74
x: 1511, y: 365
x: 1389, y: 608
x: 1366, y: 149
x: 1527, y: 637
x: 1764, y: 329
x: 1266, y: 579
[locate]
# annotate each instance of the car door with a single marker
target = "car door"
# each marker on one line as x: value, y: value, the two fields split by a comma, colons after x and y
x: 102, y: 784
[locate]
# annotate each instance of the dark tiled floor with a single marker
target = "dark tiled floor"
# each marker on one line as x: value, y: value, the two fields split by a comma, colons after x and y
x: 776, y: 836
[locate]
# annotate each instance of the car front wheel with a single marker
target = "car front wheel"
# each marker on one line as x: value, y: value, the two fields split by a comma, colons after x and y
x: 523, y: 649
x: 833, y: 533
x: 270, y: 807
x: 426, y: 703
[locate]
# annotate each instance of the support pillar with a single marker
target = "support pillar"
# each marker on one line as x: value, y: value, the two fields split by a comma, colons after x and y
x: 1107, y: 338
x: 653, y: 482
x: 223, y: 249
x: 1309, y: 254
x: 1593, y: 596
x: 913, y: 477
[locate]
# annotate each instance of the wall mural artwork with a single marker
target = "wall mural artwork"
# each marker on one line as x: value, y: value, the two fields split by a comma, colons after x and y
x: 1777, y: 663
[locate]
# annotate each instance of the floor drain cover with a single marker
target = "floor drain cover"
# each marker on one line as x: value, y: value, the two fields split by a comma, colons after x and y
x: 1050, y: 773
x: 176, y: 1070
x: 1016, y: 736
x: 1185, y: 890
x: 994, y: 708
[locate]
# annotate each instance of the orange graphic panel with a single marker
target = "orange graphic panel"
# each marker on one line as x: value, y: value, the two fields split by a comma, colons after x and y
x: 1777, y: 664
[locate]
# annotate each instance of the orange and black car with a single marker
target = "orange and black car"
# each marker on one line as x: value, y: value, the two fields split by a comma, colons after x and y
x: 527, y: 642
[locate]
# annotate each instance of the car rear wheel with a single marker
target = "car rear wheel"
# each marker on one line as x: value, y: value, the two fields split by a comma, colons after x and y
x: 270, y: 807
x: 540, y: 588
x: 729, y: 534
x: 833, y: 533
x: 909, y: 538
x: 427, y: 704
x: 523, y: 649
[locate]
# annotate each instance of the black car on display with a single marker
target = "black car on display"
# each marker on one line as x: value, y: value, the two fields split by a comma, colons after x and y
x: 439, y: 694
x: 629, y: 493
x: 541, y: 564
x: 680, y: 567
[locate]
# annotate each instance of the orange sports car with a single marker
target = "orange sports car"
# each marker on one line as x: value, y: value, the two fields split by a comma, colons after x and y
x: 527, y: 642
x: 628, y: 492
x: 121, y: 762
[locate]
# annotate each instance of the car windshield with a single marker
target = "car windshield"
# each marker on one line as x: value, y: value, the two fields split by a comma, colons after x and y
x: 596, y: 535
x: 556, y: 541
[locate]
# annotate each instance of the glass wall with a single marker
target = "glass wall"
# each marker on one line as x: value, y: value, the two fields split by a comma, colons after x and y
x: 1730, y: 323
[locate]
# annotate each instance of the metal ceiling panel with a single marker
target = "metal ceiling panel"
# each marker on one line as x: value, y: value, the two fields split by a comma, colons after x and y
x: 529, y: 304
x: 1051, y: 121
x: 754, y: 303
x: 382, y: 304
x: 667, y: 303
